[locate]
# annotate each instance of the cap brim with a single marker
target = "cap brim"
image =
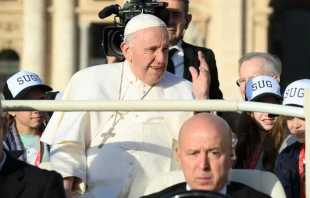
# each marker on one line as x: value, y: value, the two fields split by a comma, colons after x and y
x: 272, y: 115
x: 22, y: 93
x: 260, y: 96
x: 294, y: 105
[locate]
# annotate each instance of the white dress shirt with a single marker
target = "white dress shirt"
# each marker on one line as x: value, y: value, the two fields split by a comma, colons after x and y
x: 223, y: 191
x: 142, y: 142
x: 178, y: 59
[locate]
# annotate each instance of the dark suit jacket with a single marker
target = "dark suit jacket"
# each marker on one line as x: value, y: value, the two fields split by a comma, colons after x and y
x: 19, y: 179
x: 234, y: 189
x: 191, y: 59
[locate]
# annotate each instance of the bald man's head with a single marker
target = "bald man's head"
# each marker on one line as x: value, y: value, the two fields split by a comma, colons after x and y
x: 203, y: 121
x: 204, y: 152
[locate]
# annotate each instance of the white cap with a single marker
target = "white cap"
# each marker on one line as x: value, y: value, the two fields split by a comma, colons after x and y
x: 294, y: 92
x: 18, y: 85
x: 261, y: 86
x: 143, y: 21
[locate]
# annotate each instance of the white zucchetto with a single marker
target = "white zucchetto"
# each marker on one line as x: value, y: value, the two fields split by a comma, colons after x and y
x: 143, y: 21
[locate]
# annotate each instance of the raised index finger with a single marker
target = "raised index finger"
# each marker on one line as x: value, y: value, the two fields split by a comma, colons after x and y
x: 203, y: 63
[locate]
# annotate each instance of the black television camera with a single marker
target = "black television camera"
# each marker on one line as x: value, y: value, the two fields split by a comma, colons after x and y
x: 113, y: 35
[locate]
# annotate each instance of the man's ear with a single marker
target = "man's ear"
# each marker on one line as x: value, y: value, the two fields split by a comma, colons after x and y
x: 277, y: 78
x: 178, y: 154
x: 188, y: 19
x: 126, y: 51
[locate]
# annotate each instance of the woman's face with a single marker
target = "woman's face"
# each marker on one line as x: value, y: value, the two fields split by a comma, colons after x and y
x: 297, y: 127
x: 261, y: 119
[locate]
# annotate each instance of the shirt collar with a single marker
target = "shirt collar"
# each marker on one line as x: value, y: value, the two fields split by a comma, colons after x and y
x: 223, y: 191
x: 177, y: 46
x: 3, y: 160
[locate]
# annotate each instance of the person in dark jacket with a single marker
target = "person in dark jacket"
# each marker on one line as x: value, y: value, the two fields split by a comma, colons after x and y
x: 21, y: 180
x: 204, y: 155
x: 183, y: 55
x: 291, y: 163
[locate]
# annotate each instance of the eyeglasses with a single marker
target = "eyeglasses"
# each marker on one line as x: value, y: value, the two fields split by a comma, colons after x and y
x: 241, y: 81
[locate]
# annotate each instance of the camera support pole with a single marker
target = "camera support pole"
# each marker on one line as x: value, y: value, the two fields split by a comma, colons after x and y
x: 307, y: 153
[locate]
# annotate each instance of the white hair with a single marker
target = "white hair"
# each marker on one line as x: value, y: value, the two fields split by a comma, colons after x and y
x: 129, y: 39
x: 273, y: 62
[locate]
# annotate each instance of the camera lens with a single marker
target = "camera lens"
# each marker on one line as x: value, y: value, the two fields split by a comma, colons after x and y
x: 117, y: 38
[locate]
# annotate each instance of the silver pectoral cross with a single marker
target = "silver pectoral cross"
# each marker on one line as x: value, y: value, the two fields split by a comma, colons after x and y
x: 106, y: 136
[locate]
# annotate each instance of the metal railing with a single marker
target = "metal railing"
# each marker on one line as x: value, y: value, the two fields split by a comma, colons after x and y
x: 195, y: 105
x: 171, y: 105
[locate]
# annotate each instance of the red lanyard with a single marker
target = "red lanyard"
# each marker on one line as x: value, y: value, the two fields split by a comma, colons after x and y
x: 254, y: 156
x: 301, y: 169
x: 38, y: 159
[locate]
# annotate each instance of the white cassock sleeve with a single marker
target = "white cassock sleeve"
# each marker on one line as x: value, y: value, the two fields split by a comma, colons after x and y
x: 69, y: 134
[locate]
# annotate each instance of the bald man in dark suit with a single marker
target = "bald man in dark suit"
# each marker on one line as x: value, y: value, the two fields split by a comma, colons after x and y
x: 204, y: 154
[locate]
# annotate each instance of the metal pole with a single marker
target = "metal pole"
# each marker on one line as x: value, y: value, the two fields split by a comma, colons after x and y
x: 307, y: 156
x: 164, y: 105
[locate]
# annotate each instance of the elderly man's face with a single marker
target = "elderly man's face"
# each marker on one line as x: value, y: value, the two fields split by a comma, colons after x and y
x: 148, y: 57
x: 204, y: 155
x: 178, y: 21
x: 250, y: 69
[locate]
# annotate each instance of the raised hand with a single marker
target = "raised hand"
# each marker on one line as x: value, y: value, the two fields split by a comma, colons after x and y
x: 201, y: 80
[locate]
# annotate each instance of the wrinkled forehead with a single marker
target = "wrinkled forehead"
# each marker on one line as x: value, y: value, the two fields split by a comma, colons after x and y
x: 152, y: 34
x: 255, y: 65
x: 176, y: 5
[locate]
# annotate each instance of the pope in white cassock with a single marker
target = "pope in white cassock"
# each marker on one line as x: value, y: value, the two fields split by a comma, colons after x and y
x: 115, y: 154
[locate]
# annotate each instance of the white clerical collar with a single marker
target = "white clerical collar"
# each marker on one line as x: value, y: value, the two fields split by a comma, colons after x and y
x: 132, y: 78
x: 223, y: 191
x: 177, y: 46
